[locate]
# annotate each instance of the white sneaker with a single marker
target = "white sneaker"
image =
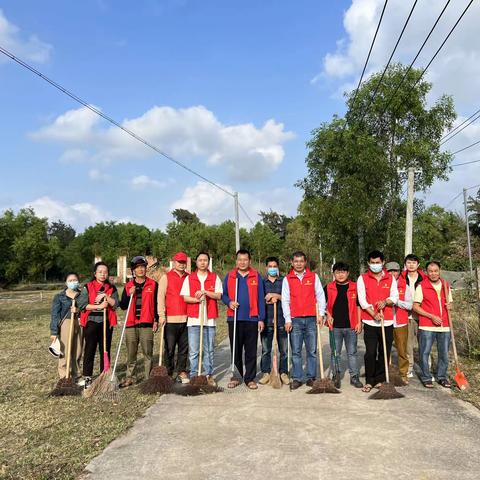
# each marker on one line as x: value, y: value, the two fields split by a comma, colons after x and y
x: 81, y: 382
x: 410, y: 374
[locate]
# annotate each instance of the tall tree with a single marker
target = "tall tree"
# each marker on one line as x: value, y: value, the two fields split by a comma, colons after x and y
x: 182, y: 215
x: 277, y: 222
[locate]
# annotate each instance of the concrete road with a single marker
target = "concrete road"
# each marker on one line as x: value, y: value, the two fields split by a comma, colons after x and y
x: 278, y: 434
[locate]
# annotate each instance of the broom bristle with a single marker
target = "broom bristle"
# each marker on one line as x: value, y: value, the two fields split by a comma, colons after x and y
x: 275, y: 381
x: 158, y: 382
x: 186, y: 390
x: 92, y: 390
x: 159, y: 371
x: 66, y: 387
x: 386, y: 391
x: 199, y: 380
x: 323, y: 385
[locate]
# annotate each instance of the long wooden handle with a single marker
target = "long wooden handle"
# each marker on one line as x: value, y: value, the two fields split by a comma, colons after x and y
x: 104, y: 330
x: 160, y: 353
x: 385, y: 355
x: 320, y: 352
x: 275, y: 340
x: 70, y: 339
x: 452, y: 335
x: 200, y: 350
x: 234, y: 343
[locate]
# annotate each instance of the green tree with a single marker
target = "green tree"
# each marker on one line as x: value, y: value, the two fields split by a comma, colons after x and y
x: 184, y: 216
x: 277, y: 222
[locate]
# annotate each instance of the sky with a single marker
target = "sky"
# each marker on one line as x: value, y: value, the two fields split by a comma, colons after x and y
x: 230, y: 89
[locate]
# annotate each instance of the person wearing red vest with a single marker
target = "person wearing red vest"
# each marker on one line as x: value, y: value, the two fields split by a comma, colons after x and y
x: 96, y: 296
x: 243, y: 291
x: 377, y: 294
x: 343, y: 318
x: 142, y: 321
x: 201, y: 290
x: 303, y: 303
x: 401, y: 313
x: 433, y: 302
x: 172, y: 312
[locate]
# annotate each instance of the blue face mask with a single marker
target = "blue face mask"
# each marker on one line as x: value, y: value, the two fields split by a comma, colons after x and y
x: 375, y: 267
x: 73, y: 285
x: 273, y: 272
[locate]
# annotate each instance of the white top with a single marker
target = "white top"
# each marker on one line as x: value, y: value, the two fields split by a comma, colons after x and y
x: 319, y: 293
x: 362, y: 299
x: 185, y: 291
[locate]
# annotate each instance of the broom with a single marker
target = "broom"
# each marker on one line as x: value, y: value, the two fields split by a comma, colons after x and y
x: 386, y: 391
x: 159, y: 380
x: 66, y: 386
x: 288, y: 361
x: 336, y: 367
x: 234, y: 343
x: 275, y: 381
x: 322, y: 385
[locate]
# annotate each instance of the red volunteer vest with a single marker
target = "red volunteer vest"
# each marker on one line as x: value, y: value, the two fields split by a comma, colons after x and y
x: 352, y: 300
x: 401, y: 313
x: 147, y: 312
x: 377, y: 290
x: 93, y: 288
x: 193, y: 309
x: 303, y: 302
x: 174, y: 303
x: 252, y: 283
x: 431, y: 304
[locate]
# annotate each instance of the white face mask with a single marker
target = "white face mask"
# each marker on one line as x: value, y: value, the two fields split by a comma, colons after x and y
x: 375, y: 267
x: 72, y: 285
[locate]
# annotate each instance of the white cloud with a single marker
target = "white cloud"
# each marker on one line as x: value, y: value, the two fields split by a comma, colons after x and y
x: 244, y: 151
x: 98, y: 175
x: 214, y: 206
x: 143, y: 182
x: 31, y: 48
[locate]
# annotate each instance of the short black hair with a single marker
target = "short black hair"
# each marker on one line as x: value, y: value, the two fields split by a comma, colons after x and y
x: 299, y: 253
x: 376, y: 254
x: 71, y: 273
x: 433, y: 262
x: 203, y: 253
x: 272, y: 259
x: 412, y: 257
x: 243, y: 251
x: 341, y: 266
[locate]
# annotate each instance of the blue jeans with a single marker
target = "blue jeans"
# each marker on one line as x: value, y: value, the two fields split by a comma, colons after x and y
x: 304, y: 331
x: 208, y: 349
x: 267, y: 340
x: 350, y: 337
x: 425, y: 343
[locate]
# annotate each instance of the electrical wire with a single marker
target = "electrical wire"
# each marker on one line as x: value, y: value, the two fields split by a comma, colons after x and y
x: 444, y: 139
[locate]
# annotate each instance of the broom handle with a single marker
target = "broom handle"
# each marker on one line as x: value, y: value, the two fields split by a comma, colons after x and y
x: 160, y: 353
x: 121, y: 337
x: 104, y: 333
x: 70, y: 335
x: 200, y: 350
x: 384, y: 341
x: 454, y: 346
x: 275, y: 341
x: 234, y: 328
x: 319, y: 349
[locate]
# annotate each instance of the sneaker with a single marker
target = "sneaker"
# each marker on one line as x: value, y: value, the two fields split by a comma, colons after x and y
x: 211, y: 381
x: 284, y: 378
x: 88, y: 383
x: 410, y: 374
x: 265, y: 379
x: 355, y: 381
x: 183, y: 377
x: 81, y: 382
x: 295, y: 384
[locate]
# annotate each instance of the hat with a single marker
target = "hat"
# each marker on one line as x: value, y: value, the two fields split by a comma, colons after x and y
x: 392, y: 266
x: 138, y: 260
x: 180, y: 257
x: 54, y: 348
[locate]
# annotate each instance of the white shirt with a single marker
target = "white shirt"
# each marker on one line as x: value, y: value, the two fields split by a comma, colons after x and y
x: 319, y: 294
x: 185, y: 292
x: 362, y: 299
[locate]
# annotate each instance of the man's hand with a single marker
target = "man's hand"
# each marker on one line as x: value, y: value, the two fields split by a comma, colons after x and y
x: 329, y: 321
x: 261, y: 326
x: 199, y: 294
x: 381, y: 304
x: 449, y: 307
x: 233, y: 305
x: 162, y: 321
x: 269, y: 297
x: 73, y: 309
x: 377, y: 317
x: 103, y: 305
x: 288, y: 327
x: 320, y: 319
x: 131, y: 291
x: 359, y: 327
x: 155, y: 326
x: 436, y: 320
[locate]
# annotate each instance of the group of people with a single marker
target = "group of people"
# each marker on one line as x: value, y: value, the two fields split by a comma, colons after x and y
x: 408, y: 302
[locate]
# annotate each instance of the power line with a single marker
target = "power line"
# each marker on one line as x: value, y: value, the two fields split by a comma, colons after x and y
x: 467, y: 147
x: 245, y: 213
x: 464, y: 163
x: 449, y: 134
x: 461, y: 193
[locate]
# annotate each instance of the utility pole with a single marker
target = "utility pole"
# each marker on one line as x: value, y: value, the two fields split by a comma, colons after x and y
x: 409, y: 218
x: 469, y: 245
x: 321, y: 254
x: 237, y: 223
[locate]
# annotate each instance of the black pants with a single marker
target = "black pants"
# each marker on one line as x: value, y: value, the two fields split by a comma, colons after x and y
x: 93, y: 336
x: 246, y: 340
x: 176, y: 334
x: 374, y: 356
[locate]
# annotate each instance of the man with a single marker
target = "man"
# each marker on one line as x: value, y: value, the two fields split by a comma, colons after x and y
x: 172, y: 312
x: 201, y: 290
x: 303, y: 302
x: 413, y: 276
x: 273, y: 296
x: 243, y: 291
x: 142, y: 321
x: 433, y: 302
x: 401, y: 313
x: 377, y: 293
x: 343, y: 316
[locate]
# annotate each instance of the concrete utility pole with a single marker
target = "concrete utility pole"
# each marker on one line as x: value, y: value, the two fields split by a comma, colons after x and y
x: 469, y: 245
x: 237, y: 223
x: 409, y: 218
x: 321, y: 254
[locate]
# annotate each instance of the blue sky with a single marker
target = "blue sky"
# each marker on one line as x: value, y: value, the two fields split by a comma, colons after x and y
x: 232, y: 89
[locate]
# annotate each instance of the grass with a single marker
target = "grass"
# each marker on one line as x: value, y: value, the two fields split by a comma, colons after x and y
x: 45, y: 437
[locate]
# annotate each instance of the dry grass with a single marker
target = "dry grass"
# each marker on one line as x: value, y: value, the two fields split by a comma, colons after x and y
x: 45, y: 437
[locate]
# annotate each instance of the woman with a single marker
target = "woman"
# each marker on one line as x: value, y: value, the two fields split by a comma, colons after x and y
x: 97, y: 295
x: 63, y: 306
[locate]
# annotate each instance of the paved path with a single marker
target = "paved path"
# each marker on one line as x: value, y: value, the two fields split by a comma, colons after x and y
x: 277, y: 434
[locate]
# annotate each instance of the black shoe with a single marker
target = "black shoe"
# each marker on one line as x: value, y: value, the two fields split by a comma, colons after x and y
x: 355, y: 381
x: 310, y: 382
x: 296, y: 384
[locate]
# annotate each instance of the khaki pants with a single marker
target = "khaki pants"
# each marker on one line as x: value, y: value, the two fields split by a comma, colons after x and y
x: 134, y: 336
x: 400, y: 336
x: 77, y: 349
x: 412, y: 341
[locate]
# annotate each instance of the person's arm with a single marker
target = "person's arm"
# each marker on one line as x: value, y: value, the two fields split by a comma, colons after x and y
x: 185, y: 292
x: 362, y: 298
x: 420, y: 311
x: 217, y: 292
x: 320, y: 296
x: 286, y: 302
x: 124, y: 301
x: 155, y: 304
x: 406, y: 304
x: 112, y: 299
x: 225, y: 298
x: 261, y: 304
x: 162, y: 290
x: 393, y: 296
x: 56, y: 316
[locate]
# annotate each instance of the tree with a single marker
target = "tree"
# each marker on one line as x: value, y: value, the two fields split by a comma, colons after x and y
x: 184, y: 216
x: 62, y: 232
x: 473, y: 206
x: 277, y: 222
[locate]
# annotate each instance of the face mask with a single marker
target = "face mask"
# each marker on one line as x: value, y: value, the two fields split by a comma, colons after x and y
x: 273, y: 272
x: 375, y: 267
x: 73, y: 285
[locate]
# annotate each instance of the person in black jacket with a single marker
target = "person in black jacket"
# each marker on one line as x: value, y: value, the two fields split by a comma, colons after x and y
x: 63, y: 306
